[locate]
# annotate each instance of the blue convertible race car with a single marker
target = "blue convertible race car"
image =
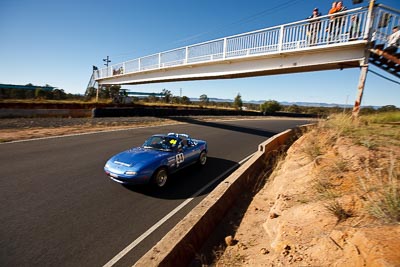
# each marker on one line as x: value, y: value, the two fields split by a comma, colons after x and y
x: 159, y: 156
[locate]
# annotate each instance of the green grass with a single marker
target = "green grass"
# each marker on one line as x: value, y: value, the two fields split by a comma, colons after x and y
x: 385, y: 117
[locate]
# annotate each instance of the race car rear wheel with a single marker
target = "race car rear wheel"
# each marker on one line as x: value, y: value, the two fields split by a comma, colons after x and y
x: 160, y: 177
x: 202, y: 158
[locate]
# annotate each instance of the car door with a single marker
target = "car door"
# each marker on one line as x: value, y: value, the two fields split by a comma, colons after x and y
x: 183, y: 155
x: 189, y: 152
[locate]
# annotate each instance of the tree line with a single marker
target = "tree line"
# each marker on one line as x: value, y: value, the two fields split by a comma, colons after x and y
x: 38, y: 93
x: 116, y: 95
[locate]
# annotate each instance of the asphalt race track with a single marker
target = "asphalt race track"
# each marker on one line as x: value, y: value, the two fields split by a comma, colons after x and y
x: 58, y: 208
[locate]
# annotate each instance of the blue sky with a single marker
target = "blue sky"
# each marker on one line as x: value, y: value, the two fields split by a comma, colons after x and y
x: 57, y: 42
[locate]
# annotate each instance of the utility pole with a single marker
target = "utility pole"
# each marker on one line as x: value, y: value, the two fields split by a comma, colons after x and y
x: 106, y: 60
x: 364, y: 63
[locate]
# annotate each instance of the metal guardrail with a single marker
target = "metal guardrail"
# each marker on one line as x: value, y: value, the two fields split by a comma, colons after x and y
x: 339, y: 28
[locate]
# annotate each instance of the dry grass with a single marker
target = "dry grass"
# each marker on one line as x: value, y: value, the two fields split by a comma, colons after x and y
x: 338, y: 210
x: 381, y: 187
x: 340, y: 180
x: 379, y: 183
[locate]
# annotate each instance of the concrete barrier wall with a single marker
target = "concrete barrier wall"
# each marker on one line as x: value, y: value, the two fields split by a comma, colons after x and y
x: 179, y: 246
x: 159, y: 111
x: 51, y: 110
x: 119, y: 112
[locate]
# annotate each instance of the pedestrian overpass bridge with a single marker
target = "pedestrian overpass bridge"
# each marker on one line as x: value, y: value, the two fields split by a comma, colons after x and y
x: 325, y: 43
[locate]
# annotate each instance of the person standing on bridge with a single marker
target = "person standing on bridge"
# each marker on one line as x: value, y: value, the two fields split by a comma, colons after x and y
x: 393, y: 41
x: 331, y: 25
x: 340, y: 19
x: 333, y: 8
x: 314, y: 27
x: 354, y: 28
x: 340, y: 7
x: 336, y: 22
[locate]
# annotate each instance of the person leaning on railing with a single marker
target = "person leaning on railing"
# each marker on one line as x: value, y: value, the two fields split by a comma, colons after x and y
x: 333, y: 8
x: 314, y: 27
x: 339, y: 19
x: 331, y: 27
x: 336, y: 22
x: 393, y: 41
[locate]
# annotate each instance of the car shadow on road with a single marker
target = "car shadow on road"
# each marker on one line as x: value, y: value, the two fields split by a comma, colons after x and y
x: 224, y: 126
x: 191, y: 181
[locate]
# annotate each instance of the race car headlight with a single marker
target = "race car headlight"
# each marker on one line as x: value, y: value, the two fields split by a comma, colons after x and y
x: 107, y: 166
x: 130, y: 173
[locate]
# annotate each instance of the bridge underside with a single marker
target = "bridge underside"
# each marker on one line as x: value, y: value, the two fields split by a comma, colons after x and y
x: 317, y: 58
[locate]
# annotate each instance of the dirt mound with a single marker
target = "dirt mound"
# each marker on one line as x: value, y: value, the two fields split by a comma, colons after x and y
x: 326, y: 204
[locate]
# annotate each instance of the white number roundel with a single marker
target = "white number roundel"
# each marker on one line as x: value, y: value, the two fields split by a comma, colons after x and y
x: 180, y: 158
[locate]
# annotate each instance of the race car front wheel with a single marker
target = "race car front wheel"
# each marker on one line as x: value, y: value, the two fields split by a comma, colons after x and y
x: 160, y: 177
x: 203, y: 158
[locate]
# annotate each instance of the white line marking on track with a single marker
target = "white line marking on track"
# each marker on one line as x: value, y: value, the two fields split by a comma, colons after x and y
x: 169, y: 215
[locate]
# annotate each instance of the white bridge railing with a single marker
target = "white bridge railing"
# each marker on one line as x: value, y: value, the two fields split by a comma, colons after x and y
x: 343, y: 27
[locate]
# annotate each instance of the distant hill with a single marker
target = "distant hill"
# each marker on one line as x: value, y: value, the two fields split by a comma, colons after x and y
x: 284, y: 103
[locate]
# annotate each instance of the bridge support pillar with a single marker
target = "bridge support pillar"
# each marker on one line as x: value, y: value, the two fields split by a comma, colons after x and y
x: 364, y: 65
x: 360, y: 88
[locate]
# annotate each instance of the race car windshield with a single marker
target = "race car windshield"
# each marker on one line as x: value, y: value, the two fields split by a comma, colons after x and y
x: 161, y: 143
